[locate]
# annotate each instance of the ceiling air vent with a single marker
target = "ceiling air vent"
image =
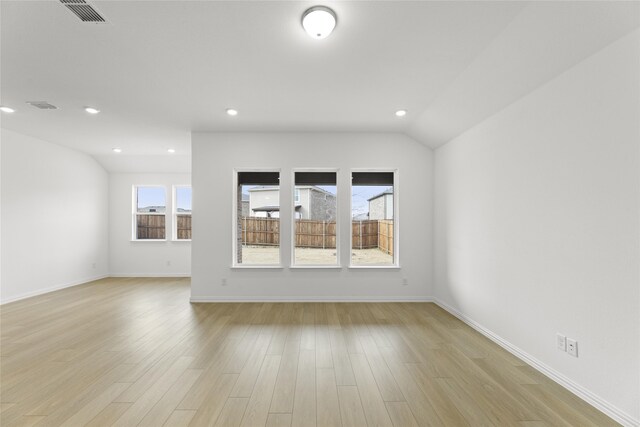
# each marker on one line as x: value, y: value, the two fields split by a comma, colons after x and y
x: 43, y: 105
x: 82, y: 10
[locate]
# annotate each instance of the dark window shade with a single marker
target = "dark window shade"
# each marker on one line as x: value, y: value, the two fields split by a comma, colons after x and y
x: 372, y: 178
x: 258, y: 178
x: 315, y: 178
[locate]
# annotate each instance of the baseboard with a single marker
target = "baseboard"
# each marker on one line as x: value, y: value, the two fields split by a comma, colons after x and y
x: 150, y: 275
x: 584, y: 394
x: 52, y: 289
x: 310, y: 299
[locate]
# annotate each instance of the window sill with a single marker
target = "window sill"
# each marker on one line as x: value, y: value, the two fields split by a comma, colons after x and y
x: 147, y: 240
x: 181, y: 240
x: 311, y: 266
x: 255, y: 266
x: 364, y: 267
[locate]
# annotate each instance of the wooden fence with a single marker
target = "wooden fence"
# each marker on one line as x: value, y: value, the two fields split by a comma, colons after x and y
x: 150, y: 227
x: 153, y: 227
x: 319, y: 234
x: 385, y: 235
x: 184, y: 227
x: 315, y: 234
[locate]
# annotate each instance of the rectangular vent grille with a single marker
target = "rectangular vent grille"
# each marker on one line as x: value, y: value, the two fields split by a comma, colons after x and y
x: 82, y: 10
x: 43, y: 105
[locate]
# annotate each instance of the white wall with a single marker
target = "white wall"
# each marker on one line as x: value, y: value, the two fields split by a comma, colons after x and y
x: 54, y: 217
x: 537, y: 224
x: 215, y: 156
x: 144, y: 258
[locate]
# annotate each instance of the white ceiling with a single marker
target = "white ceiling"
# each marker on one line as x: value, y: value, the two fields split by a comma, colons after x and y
x: 161, y: 69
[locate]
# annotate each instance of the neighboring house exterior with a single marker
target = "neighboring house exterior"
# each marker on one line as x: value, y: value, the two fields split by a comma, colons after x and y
x: 381, y: 205
x: 310, y: 203
x: 152, y: 209
x: 245, y: 205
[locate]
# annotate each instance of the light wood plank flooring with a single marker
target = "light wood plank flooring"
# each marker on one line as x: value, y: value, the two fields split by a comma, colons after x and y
x: 129, y: 352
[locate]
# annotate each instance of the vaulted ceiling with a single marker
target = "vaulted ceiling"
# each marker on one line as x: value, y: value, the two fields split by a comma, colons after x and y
x: 158, y: 70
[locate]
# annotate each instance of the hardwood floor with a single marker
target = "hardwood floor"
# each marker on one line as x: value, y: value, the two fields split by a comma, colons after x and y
x: 128, y: 352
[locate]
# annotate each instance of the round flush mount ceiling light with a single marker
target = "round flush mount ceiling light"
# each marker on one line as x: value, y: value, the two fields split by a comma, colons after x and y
x: 91, y: 110
x: 117, y: 150
x: 232, y: 112
x: 171, y: 150
x: 319, y: 21
x: 7, y: 109
x: 401, y: 113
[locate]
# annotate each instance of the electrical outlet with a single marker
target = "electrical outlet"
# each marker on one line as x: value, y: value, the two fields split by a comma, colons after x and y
x: 168, y: 263
x: 93, y: 265
x: 405, y: 282
x: 561, y: 342
x: 572, y: 347
x: 224, y: 282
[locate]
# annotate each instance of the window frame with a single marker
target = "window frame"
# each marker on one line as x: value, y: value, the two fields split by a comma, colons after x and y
x: 135, y: 213
x: 396, y: 219
x: 293, y: 264
x: 174, y: 209
x: 234, y: 220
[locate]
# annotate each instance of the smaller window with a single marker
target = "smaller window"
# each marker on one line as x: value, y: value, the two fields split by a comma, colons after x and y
x: 315, y: 229
x: 373, y: 219
x: 257, y: 219
x: 182, y: 212
x: 149, y: 218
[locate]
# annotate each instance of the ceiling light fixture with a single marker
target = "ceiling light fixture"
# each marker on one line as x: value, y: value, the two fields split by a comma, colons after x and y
x: 232, y: 112
x: 91, y: 110
x: 7, y: 109
x: 401, y: 113
x: 171, y: 150
x: 117, y: 150
x: 319, y: 21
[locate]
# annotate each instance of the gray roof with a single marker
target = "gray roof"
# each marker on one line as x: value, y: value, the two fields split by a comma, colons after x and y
x: 270, y: 208
x: 387, y: 191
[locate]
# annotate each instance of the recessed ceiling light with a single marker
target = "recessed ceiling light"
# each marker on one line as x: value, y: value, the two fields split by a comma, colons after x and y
x: 91, y: 110
x: 319, y: 21
x: 117, y: 150
x: 171, y: 150
x: 232, y: 112
x: 401, y: 113
x: 7, y: 109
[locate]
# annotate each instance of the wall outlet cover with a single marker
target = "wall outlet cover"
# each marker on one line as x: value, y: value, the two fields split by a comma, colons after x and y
x: 572, y: 347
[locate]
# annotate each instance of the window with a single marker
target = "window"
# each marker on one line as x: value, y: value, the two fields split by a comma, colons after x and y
x: 149, y: 213
x: 182, y: 212
x: 373, y: 219
x: 315, y: 213
x: 257, y: 240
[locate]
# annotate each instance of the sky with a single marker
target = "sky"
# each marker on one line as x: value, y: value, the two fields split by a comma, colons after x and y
x: 359, y: 196
x: 155, y: 196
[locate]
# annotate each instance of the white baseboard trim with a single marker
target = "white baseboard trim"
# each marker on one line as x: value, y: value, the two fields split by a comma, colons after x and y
x: 584, y: 394
x: 150, y: 275
x: 225, y: 298
x: 52, y: 289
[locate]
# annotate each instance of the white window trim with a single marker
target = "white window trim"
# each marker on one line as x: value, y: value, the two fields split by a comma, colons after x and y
x: 234, y: 220
x: 293, y: 219
x: 174, y: 208
x: 396, y: 219
x: 134, y: 217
